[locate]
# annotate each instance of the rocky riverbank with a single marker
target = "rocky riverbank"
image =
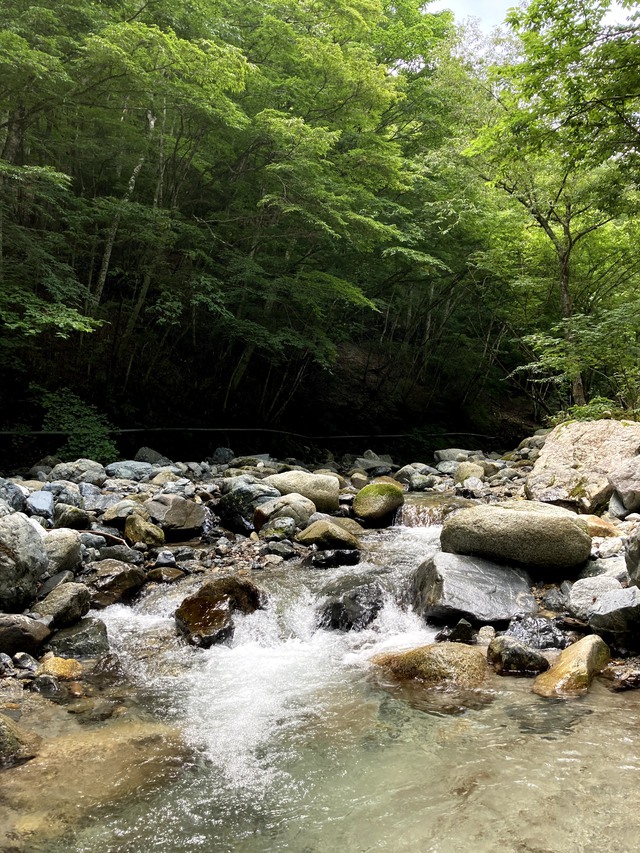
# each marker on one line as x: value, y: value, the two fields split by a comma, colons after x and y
x: 537, y: 577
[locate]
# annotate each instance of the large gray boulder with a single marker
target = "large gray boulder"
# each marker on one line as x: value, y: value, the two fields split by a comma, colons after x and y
x: 632, y: 558
x: 616, y: 615
x: 577, y: 458
x: 129, y: 469
x: 524, y: 533
x: 322, y: 489
x: 20, y: 633
x: 173, y: 512
x: 88, y: 638
x: 236, y: 508
x: 586, y: 592
x: 290, y: 506
x: 447, y: 587
x: 66, y: 604
x: 80, y: 471
x: 23, y: 561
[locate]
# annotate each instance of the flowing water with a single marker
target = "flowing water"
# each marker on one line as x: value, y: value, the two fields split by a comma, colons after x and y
x: 298, y: 748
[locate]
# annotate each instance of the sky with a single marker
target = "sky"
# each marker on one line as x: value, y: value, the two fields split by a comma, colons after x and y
x: 490, y: 12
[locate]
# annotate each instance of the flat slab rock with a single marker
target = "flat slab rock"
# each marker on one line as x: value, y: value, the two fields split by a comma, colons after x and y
x: 447, y: 587
x: 576, y: 460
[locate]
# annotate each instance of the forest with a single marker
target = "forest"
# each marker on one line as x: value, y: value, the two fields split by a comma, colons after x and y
x: 322, y: 216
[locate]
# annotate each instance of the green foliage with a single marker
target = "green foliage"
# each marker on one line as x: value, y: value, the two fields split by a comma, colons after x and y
x: 596, y: 409
x: 88, y: 430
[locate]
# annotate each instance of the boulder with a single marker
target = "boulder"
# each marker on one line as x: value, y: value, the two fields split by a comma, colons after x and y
x: 509, y: 656
x: 377, y: 502
x: 524, y: 533
x: 40, y: 503
x: 616, y: 615
x: 278, y: 529
x: 237, y: 507
x: 119, y: 512
x: 14, y: 496
x: 292, y: 506
x: 574, y: 670
x: 466, y: 470
x: 452, y: 454
x: 112, y: 581
x: 17, y: 745
x: 327, y: 535
x: 175, y: 513
x: 80, y: 471
x: 322, y: 489
x: 66, y: 604
x: 129, y: 470
x: 632, y: 558
x: 136, y: 529
x: 206, y: 617
x: 147, y: 454
x: 577, y: 458
x: 87, y: 639
x: 23, y: 561
x: 447, y: 587
x: 353, y: 608
x: 437, y: 665
x: 62, y: 547
x: 332, y: 558
x: 67, y: 515
x: 586, y: 593
x: 20, y: 633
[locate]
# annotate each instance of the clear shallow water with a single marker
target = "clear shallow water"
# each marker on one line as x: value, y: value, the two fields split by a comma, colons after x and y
x: 298, y: 748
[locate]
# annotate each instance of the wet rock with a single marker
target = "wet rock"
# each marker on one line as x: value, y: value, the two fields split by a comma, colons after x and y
x: 7, y: 669
x: 623, y: 676
x: 586, y: 593
x: 133, y: 758
x: 21, y: 633
x: 136, y: 529
x: 237, y: 507
x: 62, y: 547
x: 437, y: 665
x: 165, y: 574
x: 376, y: 503
x: 509, y: 656
x: 462, y: 632
x: 80, y: 471
x: 282, y: 549
x: 48, y: 686
x: 576, y: 460
x: 524, y: 533
x: 575, y: 669
x: 322, y: 490
x: 332, y: 558
x: 537, y: 632
x: 87, y: 639
x: 17, y: 745
x: 67, y: 604
x: 23, y: 560
x: 112, y: 581
x: 64, y: 669
x: 447, y: 587
x: 175, y: 513
x: 25, y: 662
x: 167, y: 558
x: 206, y: 617
x: 292, y: 506
x: 352, y: 609
x: 327, y: 536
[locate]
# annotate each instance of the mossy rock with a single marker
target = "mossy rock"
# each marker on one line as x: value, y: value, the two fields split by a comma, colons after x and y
x: 377, y: 502
x: 437, y: 665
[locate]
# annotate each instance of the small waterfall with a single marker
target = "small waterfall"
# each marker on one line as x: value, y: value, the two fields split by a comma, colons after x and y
x: 428, y: 510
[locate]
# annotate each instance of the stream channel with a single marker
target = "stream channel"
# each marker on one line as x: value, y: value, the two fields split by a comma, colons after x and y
x: 297, y: 747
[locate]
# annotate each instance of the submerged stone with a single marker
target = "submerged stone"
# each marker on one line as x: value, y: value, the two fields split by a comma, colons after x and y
x: 437, y: 665
x: 205, y: 618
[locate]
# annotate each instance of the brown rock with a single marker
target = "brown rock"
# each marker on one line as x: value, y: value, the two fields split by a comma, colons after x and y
x: 328, y: 535
x: 17, y: 745
x: 438, y: 664
x: 21, y: 634
x: 575, y: 669
x: 136, y: 529
x: 205, y: 618
x: 113, y: 581
x: 66, y: 669
x: 173, y: 512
